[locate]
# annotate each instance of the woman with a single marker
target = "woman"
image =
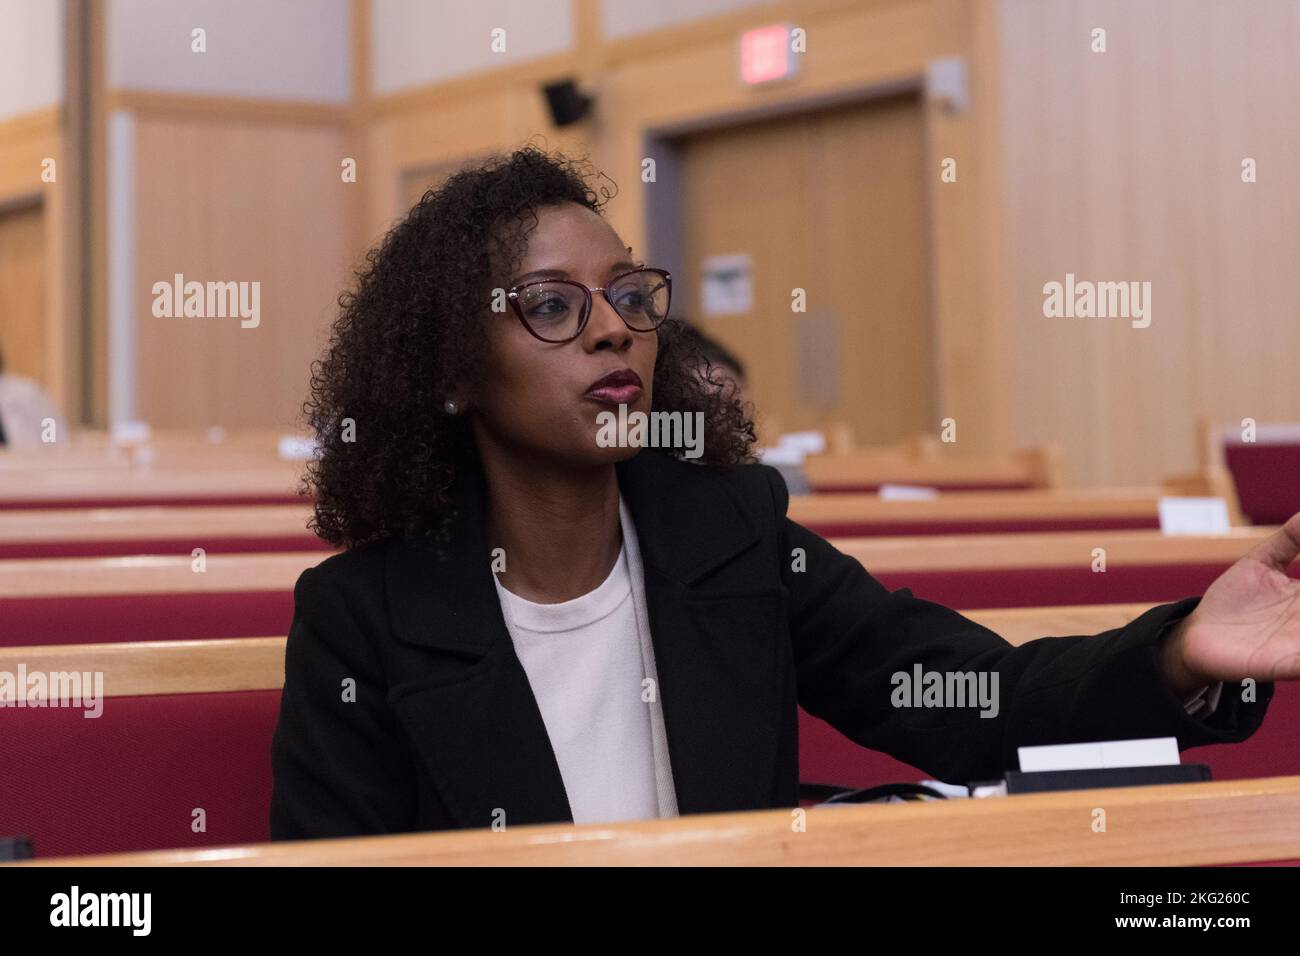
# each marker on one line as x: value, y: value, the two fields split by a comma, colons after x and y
x: 532, y: 623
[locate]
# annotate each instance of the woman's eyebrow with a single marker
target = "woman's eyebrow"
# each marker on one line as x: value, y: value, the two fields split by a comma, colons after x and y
x: 620, y: 266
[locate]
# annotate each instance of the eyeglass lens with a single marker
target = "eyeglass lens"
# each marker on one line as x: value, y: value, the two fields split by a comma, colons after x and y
x: 556, y: 309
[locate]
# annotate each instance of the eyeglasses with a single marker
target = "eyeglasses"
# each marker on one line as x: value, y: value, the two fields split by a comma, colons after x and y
x: 556, y: 310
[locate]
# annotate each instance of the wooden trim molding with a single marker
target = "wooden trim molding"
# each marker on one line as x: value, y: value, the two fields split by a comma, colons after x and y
x: 44, y: 122
x: 230, y: 108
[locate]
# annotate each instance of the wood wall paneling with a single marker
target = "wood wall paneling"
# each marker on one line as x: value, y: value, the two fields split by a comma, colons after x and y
x: 232, y: 201
x: 1126, y: 166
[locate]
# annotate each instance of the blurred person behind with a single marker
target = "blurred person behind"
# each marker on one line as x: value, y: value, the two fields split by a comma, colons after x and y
x: 25, y: 411
x: 722, y: 369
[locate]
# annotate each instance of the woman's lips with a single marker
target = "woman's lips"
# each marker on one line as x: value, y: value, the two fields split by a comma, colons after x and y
x: 615, y: 394
x: 617, y: 388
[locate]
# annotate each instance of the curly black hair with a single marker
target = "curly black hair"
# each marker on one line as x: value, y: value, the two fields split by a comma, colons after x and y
x: 411, y: 334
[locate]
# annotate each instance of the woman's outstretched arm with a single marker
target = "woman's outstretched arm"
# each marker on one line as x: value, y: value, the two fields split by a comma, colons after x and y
x: 864, y: 657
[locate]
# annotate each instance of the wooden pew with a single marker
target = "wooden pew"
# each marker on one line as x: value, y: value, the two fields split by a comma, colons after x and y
x: 840, y: 515
x: 257, y: 663
x: 1050, y: 549
x: 867, y: 469
x: 135, y: 530
x: 1265, y: 472
x: 161, y: 597
x: 183, y: 726
x: 1050, y: 509
x: 974, y: 512
x: 39, y: 464
x: 154, y: 530
x: 838, y: 434
x: 148, y: 597
x: 147, y: 668
x: 1008, y: 570
x: 1201, y: 824
x: 270, y: 482
x: 165, y: 448
x: 222, y: 697
x: 157, y: 597
x: 153, y: 574
x: 174, y: 574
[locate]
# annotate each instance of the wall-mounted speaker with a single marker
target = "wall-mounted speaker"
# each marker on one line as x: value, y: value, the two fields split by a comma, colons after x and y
x: 567, y: 104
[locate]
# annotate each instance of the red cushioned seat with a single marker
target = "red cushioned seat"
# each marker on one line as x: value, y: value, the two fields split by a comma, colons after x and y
x: 1267, y: 477
x: 827, y: 756
x: 131, y: 778
x: 1273, y: 751
x: 111, y: 618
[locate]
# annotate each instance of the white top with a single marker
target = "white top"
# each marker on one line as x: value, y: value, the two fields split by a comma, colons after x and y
x: 590, y: 663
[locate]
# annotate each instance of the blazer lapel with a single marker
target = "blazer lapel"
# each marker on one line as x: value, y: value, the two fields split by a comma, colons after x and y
x: 716, y: 645
x: 470, y: 709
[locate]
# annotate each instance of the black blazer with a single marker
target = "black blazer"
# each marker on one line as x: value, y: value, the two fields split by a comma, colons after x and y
x: 444, y: 727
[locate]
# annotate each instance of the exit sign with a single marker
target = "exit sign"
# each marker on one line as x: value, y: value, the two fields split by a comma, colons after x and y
x: 765, y: 54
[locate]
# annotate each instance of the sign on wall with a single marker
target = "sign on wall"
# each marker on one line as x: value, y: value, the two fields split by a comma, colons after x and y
x: 727, y: 287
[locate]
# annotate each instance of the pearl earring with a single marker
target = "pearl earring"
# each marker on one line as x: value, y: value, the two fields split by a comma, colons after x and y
x: 450, y: 407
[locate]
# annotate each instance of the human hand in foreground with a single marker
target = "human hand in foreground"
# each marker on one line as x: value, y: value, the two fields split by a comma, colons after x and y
x: 1246, y: 625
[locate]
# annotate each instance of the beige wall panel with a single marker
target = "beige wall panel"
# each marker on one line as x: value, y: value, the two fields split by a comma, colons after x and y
x: 234, y: 201
x: 1126, y: 165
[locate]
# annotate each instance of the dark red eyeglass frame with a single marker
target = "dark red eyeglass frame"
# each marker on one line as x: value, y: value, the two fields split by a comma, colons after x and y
x: 513, y: 296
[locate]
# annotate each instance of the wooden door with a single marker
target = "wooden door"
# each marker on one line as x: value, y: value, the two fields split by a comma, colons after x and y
x: 831, y: 202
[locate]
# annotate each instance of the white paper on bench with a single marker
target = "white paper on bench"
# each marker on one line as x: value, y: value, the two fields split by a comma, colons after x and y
x: 1180, y: 515
x: 1147, y: 752
x: 775, y: 456
x: 130, y: 432
x: 297, y: 448
x: 908, y: 492
x: 809, y: 442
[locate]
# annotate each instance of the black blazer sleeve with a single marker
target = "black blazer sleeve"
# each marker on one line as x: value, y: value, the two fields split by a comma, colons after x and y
x: 339, y: 767
x: 850, y: 635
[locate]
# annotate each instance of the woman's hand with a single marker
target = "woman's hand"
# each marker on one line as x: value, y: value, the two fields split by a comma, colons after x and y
x: 1246, y: 625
